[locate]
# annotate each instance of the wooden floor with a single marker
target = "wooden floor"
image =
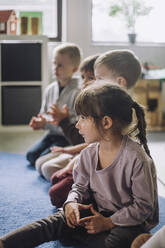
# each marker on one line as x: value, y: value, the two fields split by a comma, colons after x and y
x: 19, y: 142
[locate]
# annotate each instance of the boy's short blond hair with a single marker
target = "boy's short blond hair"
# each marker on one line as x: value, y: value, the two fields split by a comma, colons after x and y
x: 122, y: 63
x: 72, y: 50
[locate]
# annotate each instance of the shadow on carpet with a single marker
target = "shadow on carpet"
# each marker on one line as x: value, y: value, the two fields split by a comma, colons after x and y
x: 24, y: 196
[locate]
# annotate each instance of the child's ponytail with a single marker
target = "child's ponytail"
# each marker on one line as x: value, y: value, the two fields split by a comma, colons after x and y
x: 141, y: 125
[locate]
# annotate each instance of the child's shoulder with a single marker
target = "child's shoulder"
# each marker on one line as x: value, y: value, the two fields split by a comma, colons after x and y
x: 90, y: 150
x: 87, y: 156
x: 90, y: 147
x: 74, y: 84
x: 134, y: 149
x: 52, y: 85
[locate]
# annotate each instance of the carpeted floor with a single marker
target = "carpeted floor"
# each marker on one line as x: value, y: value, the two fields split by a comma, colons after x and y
x: 24, y: 196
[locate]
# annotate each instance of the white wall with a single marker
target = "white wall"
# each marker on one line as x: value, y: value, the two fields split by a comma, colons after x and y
x: 79, y: 31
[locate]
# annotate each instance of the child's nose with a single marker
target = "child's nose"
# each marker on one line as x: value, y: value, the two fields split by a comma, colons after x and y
x: 77, y: 125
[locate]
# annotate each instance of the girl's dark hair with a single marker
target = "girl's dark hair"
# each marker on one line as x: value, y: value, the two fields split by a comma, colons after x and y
x: 88, y: 63
x: 105, y: 99
x: 141, y: 125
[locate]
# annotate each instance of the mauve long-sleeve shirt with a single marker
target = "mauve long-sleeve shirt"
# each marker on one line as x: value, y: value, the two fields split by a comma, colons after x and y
x: 127, y: 188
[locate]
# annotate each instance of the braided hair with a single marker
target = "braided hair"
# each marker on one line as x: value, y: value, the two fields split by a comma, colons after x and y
x: 141, y: 125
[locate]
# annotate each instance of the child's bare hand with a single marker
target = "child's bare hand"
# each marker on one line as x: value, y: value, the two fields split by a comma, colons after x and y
x: 72, y: 213
x: 61, y: 173
x: 55, y: 149
x: 58, y: 114
x: 96, y: 223
x: 32, y: 121
x: 37, y: 122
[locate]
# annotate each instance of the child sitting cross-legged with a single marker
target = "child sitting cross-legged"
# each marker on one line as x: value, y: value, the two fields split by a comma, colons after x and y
x: 66, y: 61
x: 123, y: 68
x: 107, y: 206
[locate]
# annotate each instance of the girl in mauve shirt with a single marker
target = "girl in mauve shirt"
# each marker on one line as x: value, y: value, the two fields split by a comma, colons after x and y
x: 114, y: 195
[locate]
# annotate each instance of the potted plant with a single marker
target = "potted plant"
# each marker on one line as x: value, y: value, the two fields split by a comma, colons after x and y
x: 130, y: 10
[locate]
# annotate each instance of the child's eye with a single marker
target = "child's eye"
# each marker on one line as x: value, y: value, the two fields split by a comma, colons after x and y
x: 82, y: 117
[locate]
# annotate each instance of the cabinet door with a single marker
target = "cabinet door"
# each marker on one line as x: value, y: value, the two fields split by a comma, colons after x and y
x: 19, y: 104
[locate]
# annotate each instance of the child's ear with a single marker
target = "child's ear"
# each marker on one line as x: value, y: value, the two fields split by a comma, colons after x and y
x: 106, y: 122
x: 122, y: 82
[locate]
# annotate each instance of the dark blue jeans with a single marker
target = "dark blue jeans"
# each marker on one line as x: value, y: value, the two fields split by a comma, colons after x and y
x: 43, y: 146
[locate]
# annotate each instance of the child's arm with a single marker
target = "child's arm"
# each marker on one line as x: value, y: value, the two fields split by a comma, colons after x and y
x: 62, y: 118
x: 39, y: 121
x: 70, y: 149
x: 76, y: 149
x: 58, y: 114
x: 62, y: 172
x: 144, y: 205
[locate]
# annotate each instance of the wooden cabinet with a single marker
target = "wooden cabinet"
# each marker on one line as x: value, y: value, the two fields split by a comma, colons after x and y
x: 23, y: 78
x: 149, y: 93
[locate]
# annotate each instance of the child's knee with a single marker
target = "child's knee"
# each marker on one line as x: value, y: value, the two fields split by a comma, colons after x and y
x: 47, y: 170
x: 55, y: 199
x: 30, y: 157
x: 38, y: 165
x: 140, y: 240
x: 58, y: 193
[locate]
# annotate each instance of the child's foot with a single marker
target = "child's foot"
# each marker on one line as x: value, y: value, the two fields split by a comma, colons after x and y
x: 140, y: 240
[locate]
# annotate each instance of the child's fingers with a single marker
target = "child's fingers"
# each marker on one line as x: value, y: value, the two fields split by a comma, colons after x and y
x: 85, y: 219
x: 52, y: 122
x: 89, y: 227
x: 82, y: 206
x: 93, y: 210
x: 40, y: 116
x: 70, y: 224
x: 54, y: 108
x: 72, y: 219
x: 77, y: 215
x: 62, y: 175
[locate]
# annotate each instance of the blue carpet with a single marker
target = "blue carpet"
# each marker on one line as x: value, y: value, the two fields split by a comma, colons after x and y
x: 24, y: 196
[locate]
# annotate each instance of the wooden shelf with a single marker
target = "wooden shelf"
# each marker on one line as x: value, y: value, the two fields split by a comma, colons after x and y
x: 149, y: 94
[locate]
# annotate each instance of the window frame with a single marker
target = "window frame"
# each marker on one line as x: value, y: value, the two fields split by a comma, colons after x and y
x: 59, y: 23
